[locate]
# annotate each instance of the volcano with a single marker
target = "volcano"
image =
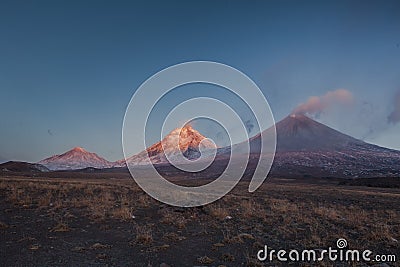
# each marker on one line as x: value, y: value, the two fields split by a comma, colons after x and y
x: 185, y: 140
x: 300, y: 133
x: 306, y: 147
x: 76, y: 158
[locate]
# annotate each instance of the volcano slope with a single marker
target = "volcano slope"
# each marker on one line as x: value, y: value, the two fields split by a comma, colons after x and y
x: 307, y: 148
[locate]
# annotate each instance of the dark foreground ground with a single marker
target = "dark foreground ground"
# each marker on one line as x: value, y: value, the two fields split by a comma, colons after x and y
x: 106, y: 220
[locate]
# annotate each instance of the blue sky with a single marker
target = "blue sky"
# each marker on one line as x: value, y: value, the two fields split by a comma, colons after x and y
x: 69, y: 68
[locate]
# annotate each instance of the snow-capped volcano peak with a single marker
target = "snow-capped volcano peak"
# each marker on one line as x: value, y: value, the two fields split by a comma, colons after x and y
x: 79, y: 149
x: 76, y: 158
x: 185, y: 140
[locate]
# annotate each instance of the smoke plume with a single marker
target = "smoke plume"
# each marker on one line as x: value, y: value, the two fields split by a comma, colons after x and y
x: 315, y: 105
x: 394, y: 117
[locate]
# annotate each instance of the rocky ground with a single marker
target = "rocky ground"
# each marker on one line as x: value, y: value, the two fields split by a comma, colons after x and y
x: 109, y: 221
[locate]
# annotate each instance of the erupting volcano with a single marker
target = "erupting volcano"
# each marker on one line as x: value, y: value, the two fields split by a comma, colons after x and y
x: 306, y: 147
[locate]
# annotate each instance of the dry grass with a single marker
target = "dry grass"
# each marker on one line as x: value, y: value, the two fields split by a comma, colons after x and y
x: 239, y: 238
x: 218, y: 212
x: 174, y: 237
x: 144, y: 235
x: 168, y: 218
x: 99, y: 200
x: 171, y: 218
x: 3, y: 225
x: 281, y: 216
x: 205, y: 260
x: 99, y: 246
x: 227, y: 257
x: 60, y: 227
x: 311, y: 221
x: 122, y: 213
x: 251, y: 209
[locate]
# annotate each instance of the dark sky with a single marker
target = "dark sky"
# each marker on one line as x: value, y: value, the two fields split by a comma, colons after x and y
x: 69, y: 68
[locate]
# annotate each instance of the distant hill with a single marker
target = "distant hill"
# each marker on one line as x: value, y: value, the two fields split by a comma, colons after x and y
x: 19, y: 166
x: 76, y: 158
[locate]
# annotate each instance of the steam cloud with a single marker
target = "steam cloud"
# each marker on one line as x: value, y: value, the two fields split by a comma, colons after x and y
x: 394, y: 117
x: 315, y: 105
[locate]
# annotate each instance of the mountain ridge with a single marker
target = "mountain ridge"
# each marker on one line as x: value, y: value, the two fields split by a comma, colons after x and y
x: 20, y: 166
x: 303, y: 146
